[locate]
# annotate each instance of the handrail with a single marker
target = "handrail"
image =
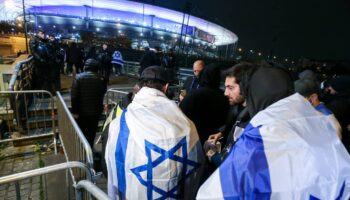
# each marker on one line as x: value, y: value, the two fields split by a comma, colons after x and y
x: 132, y: 62
x: 91, y: 188
x: 87, y: 147
x: 15, y: 73
x: 45, y: 170
x: 120, y: 89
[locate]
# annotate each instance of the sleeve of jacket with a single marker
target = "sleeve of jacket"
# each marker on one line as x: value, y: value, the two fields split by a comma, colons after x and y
x: 187, y: 84
x: 32, y: 46
x: 187, y: 106
x: 75, y: 95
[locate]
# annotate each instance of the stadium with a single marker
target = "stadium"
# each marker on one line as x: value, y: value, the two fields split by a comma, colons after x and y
x: 145, y: 25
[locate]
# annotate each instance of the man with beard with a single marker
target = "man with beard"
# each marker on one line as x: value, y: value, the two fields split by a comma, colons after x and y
x: 287, y: 151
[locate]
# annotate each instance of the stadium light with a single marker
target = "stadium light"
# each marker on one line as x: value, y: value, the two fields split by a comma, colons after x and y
x: 9, y: 4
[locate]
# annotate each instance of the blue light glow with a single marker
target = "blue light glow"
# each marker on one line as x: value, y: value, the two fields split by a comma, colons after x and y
x: 129, y: 12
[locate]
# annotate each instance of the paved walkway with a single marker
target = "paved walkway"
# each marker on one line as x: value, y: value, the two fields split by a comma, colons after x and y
x: 24, y: 158
x: 19, y: 159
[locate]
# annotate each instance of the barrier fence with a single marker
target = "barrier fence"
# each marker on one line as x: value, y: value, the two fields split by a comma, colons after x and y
x: 131, y: 68
x: 75, y: 145
x: 115, y: 96
x: 22, y: 77
x: 27, y: 115
x: 91, y: 189
x: 33, y: 183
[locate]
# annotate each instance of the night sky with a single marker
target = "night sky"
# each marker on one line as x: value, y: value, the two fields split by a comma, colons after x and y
x: 317, y: 29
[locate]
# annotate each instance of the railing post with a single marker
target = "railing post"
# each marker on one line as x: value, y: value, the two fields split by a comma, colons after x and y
x: 78, y: 194
x: 18, y: 191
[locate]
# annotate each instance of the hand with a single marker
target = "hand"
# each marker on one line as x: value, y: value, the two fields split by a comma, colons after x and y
x: 215, y: 137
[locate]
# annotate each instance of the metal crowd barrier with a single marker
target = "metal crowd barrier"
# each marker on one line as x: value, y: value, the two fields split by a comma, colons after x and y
x: 30, y: 114
x: 91, y: 189
x: 114, y: 96
x: 75, y: 145
x: 42, y: 189
x: 131, y: 68
x: 22, y: 76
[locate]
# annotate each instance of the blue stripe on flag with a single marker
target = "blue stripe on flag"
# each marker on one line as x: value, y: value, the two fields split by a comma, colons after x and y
x: 245, y: 172
x: 323, y: 109
x: 120, y: 153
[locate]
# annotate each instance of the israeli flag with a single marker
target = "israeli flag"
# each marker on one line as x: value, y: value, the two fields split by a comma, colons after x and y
x: 153, y: 151
x: 288, y: 151
x: 324, y: 110
x: 117, y: 58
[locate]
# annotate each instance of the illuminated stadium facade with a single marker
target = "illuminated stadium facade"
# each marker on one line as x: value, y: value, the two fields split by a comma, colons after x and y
x: 144, y: 24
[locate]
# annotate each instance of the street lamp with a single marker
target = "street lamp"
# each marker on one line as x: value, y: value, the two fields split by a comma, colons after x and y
x: 25, y: 26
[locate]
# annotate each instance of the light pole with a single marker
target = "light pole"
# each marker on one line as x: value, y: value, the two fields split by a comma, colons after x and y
x: 25, y: 26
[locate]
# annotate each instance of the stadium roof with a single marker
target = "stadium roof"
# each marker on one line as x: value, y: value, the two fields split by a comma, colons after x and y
x: 223, y: 36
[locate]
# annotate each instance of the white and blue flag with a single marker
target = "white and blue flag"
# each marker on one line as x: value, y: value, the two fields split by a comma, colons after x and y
x: 153, y: 151
x: 324, y: 110
x: 288, y: 151
x: 117, y: 58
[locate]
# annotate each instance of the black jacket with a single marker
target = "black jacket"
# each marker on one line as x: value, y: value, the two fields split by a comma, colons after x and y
x: 87, y: 94
x: 74, y: 54
x: 191, y: 84
x: 40, y: 50
x: 207, y: 106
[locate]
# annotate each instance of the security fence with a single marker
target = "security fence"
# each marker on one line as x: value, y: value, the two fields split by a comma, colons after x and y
x: 23, y: 75
x: 32, y: 184
x: 75, y: 145
x: 115, y: 96
x: 91, y: 189
x: 131, y: 68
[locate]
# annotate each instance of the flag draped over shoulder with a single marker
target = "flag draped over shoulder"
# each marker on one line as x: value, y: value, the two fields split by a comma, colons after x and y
x: 153, y: 151
x: 288, y: 151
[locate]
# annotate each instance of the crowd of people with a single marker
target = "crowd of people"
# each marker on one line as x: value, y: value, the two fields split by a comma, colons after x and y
x: 52, y: 57
x: 266, y: 135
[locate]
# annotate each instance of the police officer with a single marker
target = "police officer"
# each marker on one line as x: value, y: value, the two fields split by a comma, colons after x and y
x: 56, y: 63
x: 40, y: 52
x: 105, y: 58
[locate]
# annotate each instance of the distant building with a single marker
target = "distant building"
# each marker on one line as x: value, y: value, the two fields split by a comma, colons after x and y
x: 146, y: 25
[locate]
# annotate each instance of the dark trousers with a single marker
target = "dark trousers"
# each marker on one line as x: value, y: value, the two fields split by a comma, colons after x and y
x: 117, y: 68
x: 106, y: 71
x: 88, y: 125
x: 78, y: 67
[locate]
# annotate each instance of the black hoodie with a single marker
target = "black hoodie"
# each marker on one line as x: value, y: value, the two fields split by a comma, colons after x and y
x: 265, y: 86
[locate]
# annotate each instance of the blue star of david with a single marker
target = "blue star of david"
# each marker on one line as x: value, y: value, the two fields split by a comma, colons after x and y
x: 164, y: 155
